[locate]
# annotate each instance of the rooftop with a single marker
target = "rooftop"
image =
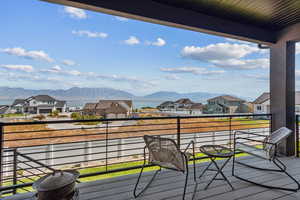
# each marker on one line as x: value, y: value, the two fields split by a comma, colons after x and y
x: 228, y: 98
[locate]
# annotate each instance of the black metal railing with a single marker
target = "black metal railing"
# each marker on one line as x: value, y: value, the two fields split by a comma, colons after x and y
x: 297, y: 136
x: 99, y: 147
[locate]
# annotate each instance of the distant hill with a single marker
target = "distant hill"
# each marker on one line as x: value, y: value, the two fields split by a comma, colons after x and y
x: 72, y: 93
x: 172, y: 96
x: 93, y: 94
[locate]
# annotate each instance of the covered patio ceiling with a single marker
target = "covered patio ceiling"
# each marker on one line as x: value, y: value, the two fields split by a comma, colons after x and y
x: 260, y: 21
x: 275, y: 23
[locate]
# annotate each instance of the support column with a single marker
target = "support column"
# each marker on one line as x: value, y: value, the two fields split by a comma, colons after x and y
x: 282, y: 91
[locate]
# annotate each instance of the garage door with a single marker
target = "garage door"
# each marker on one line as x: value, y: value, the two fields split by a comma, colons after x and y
x: 45, y: 111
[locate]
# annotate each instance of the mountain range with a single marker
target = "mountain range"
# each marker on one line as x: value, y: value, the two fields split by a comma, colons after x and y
x: 77, y: 93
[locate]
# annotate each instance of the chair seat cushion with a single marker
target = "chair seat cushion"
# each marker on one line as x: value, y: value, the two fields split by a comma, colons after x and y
x: 252, y: 150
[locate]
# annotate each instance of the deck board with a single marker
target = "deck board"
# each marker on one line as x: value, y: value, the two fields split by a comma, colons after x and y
x: 169, y: 185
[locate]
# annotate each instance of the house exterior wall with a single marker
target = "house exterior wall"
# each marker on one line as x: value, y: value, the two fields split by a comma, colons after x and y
x: 220, y: 105
x: 17, y: 109
x: 262, y: 108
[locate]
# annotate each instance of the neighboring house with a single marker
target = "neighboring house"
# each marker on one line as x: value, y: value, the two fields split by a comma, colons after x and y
x: 109, y: 108
x: 166, y: 106
x: 226, y: 104
x: 261, y: 105
x: 17, y: 106
x: 181, y: 106
x: 4, y: 109
x: 40, y: 104
x: 196, y: 109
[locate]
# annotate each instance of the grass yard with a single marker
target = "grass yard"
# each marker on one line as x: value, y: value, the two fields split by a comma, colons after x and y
x: 13, y: 115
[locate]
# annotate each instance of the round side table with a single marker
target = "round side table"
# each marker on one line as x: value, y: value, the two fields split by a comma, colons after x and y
x: 213, y: 152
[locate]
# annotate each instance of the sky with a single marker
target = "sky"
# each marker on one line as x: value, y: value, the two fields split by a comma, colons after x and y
x: 49, y: 46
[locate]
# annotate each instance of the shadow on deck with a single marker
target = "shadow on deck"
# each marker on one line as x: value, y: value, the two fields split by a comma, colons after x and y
x: 169, y: 185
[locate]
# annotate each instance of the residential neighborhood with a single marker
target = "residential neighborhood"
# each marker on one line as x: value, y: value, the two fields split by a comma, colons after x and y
x: 223, y: 104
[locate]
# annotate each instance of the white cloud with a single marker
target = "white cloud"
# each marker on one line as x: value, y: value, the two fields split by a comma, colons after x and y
x: 122, y: 19
x: 69, y: 62
x: 24, y: 68
x: 298, y: 48
x: 73, y: 72
x: 132, y: 40
x: 75, y: 12
x: 261, y: 63
x: 18, y: 51
x: 172, y: 77
x: 159, y: 42
x: 192, y: 70
x: 219, y: 51
x: 90, y: 34
x: 58, y: 70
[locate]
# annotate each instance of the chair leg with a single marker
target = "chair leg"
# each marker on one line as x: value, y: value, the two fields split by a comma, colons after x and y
x: 233, y: 164
x: 147, y: 185
x: 186, y: 179
x: 282, y: 169
x: 194, y: 165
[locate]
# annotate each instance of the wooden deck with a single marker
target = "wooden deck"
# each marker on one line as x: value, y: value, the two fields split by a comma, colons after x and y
x: 169, y: 185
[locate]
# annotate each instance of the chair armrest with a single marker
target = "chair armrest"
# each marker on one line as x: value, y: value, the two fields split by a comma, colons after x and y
x: 255, y: 140
x: 188, y: 146
x: 249, y: 133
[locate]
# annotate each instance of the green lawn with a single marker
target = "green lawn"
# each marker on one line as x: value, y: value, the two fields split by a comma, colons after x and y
x: 13, y: 115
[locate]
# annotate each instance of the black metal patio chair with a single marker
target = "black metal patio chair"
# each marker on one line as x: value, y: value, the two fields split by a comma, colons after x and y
x: 267, y: 152
x: 165, y: 153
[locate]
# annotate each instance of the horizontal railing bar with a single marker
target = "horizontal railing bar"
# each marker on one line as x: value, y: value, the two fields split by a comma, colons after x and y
x: 84, y: 128
x: 128, y: 119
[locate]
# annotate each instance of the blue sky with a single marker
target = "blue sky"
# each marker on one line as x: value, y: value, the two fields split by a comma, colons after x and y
x: 48, y: 46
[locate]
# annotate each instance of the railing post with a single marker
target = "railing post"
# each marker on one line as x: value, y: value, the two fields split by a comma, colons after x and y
x: 297, y: 136
x: 178, y: 131
x: 270, y: 126
x: 230, y: 132
x: 106, y: 147
x: 1, y: 152
x: 15, y: 169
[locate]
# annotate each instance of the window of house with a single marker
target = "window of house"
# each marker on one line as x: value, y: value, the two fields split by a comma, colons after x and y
x: 258, y: 107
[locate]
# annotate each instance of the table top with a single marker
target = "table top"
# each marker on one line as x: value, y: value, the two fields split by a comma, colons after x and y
x: 216, y: 151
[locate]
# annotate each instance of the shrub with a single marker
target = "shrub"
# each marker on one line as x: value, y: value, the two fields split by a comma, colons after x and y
x: 39, y: 117
x: 62, y: 116
x: 54, y: 113
x: 75, y: 115
x: 78, y: 116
